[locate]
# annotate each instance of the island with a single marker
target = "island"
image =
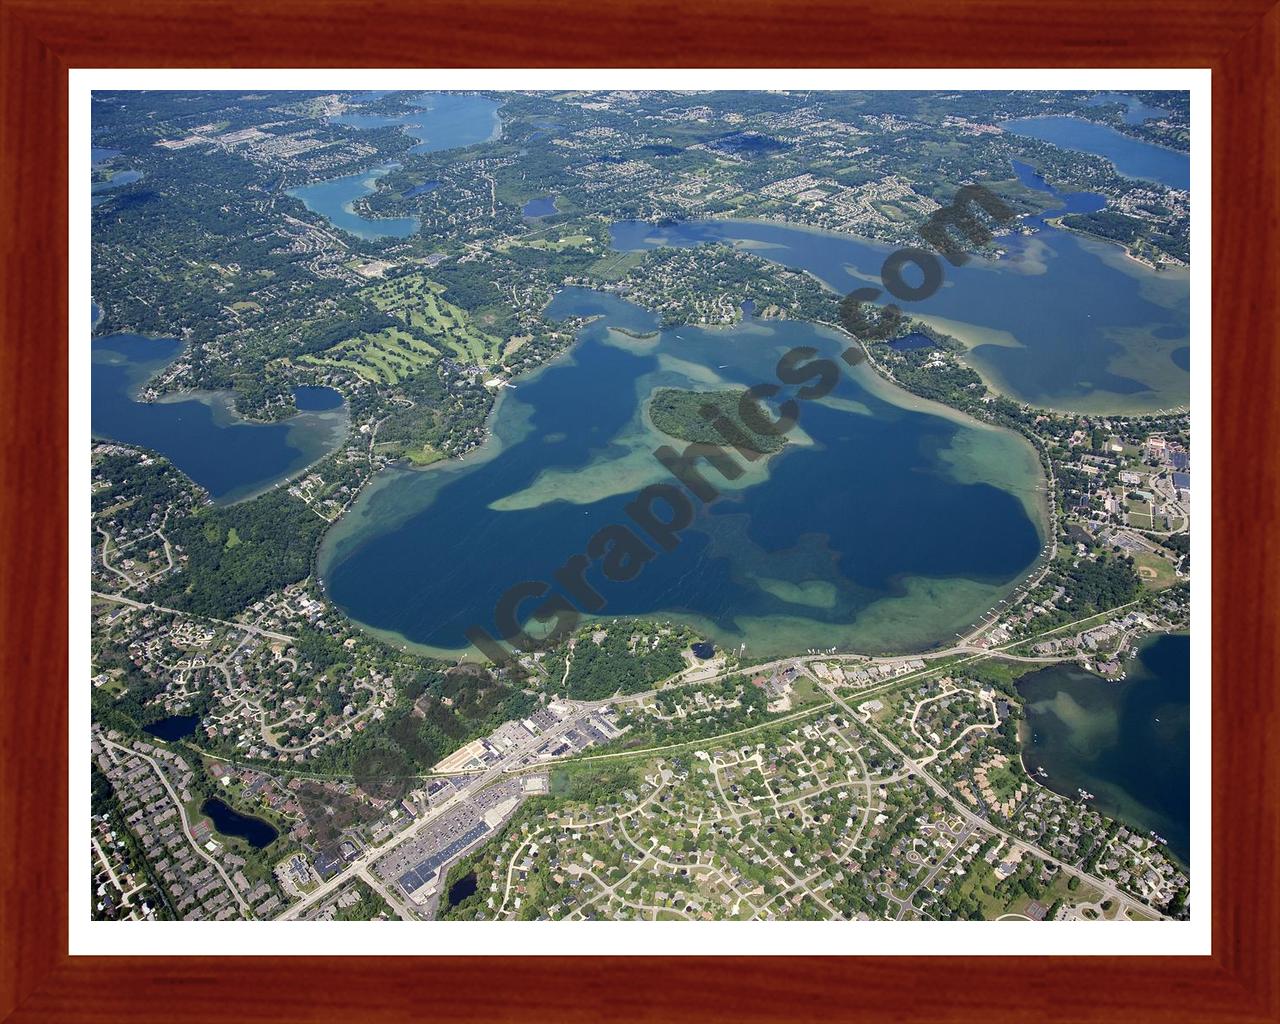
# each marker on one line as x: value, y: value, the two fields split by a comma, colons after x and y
x: 693, y: 416
x: 418, y: 595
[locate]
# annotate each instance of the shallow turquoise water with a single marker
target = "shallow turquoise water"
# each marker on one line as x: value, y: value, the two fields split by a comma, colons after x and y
x: 879, y: 526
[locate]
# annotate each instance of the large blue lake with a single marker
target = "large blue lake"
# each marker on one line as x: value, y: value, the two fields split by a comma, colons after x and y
x: 1131, y: 157
x: 1135, y: 111
x: 886, y: 523
x: 1127, y: 743
x: 1063, y: 321
x: 439, y: 121
x: 200, y: 433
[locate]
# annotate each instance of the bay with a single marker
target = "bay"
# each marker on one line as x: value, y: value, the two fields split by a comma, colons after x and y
x: 1131, y: 157
x: 334, y: 200
x: 200, y: 432
x: 887, y: 523
x: 1063, y: 322
x: 440, y: 121
x: 1126, y: 742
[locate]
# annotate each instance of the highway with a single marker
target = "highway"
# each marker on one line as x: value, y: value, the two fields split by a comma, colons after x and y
x: 364, y: 862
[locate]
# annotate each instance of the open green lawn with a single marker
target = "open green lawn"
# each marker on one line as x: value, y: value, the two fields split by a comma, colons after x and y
x: 615, y: 265
x: 567, y: 242
x: 1155, y: 572
x: 420, y: 303
x: 805, y: 692
x: 1139, y: 514
x: 383, y: 358
x: 1004, y: 781
x: 423, y: 456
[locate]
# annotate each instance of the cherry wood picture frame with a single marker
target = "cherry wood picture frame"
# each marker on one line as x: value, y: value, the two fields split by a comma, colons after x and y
x: 41, y: 39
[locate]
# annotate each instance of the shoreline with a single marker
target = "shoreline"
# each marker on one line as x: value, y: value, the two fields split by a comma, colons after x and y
x: 992, y: 382
x: 1100, y: 124
x: 1024, y: 731
x: 888, y: 389
x: 221, y: 403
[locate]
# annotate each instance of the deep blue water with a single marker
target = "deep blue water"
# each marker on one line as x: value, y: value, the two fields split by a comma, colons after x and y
x: 1136, y: 112
x: 439, y: 121
x: 462, y: 888
x: 175, y: 727
x: 230, y: 822
x: 543, y: 207
x: 229, y: 457
x: 1131, y: 157
x: 1063, y: 321
x: 332, y: 199
x: 836, y: 527
x: 1127, y: 743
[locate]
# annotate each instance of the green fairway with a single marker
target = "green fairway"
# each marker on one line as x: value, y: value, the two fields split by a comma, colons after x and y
x: 383, y: 358
x: 419, y: 303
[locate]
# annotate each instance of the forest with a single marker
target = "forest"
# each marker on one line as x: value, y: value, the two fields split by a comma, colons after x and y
x: 693, y: 415
x: 629, y: 658
x: 277, y: 535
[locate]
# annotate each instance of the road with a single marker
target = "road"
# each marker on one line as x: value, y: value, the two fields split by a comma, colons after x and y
x: 186, y: 824
x: 365, y: 861
x: 1123, y: 900
x: 207, y: 618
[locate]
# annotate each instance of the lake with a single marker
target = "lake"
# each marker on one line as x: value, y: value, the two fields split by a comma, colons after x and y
x: 201, y: 433
x: 887, y: 523
x: 1135, y: 112
x: 438, y: 120
x: 1063, y: 322
x: 1127, y: 743
x: 117, y: 180
x: 99, y: 156
x: 334, y: 199
x: 175, y: 727
x: 1131, y: 157
x: 542, y: 207
x: 230, y: 822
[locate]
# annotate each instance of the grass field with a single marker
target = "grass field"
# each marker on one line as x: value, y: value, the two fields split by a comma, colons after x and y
x: 419, y: 303
x: 390, y: 355
x: 1139, y: 514
x: 567, y: 242
x: 1155, y: 572
x: 383, y: 358
x: 616, y: 265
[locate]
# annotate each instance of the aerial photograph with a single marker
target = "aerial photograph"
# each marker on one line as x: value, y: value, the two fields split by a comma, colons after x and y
x: 640, y: 505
